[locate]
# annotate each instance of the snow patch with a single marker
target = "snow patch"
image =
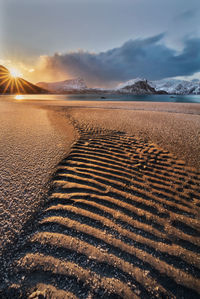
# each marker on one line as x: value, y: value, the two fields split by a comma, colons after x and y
x: 175, y: 86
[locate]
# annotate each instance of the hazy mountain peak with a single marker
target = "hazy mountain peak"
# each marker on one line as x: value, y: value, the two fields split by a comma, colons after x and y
x: 63, y: 86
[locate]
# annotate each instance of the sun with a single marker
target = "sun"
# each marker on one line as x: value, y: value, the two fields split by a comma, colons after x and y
x: 14, y: 73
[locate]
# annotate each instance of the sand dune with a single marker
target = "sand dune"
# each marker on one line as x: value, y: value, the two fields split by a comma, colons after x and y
x: 121, y: 221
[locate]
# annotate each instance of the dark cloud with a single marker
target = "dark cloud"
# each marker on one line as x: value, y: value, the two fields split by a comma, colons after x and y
x: 187, y: 14
x: 149, y: 58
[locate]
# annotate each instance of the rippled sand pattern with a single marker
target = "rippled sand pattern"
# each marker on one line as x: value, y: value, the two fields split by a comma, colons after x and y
x: 121, y: 222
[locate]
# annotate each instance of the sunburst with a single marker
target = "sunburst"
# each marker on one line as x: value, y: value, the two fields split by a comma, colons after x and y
x: 11, y: 81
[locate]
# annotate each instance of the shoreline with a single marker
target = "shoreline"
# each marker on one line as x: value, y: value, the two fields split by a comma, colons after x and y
x: 173, y: 126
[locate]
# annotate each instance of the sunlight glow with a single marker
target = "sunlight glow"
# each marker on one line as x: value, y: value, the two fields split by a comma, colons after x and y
x: 19, y: 97
x: 15, y: 73
x: 11, y: 82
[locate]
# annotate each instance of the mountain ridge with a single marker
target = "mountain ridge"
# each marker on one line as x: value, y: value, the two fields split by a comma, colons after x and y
x: 136, y: 86
x: 176, y: 86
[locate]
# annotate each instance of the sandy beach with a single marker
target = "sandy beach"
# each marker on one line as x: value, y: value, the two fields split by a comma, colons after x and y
x: 114, y: 189
x: 32, y: 142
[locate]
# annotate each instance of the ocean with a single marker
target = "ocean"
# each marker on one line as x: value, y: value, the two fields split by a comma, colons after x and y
x: 109, y: 97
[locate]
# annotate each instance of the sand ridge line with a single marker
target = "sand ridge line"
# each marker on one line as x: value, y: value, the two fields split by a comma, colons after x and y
x: 129, y: 204
x: 144, y: 256
x: 135, y: 188
x: 48, y: 291
x: 31, y: 261
x: 167, y: 232
x: 107, y: 223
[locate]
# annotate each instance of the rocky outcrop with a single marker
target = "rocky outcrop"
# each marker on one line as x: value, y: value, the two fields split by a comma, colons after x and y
x: 140, y: 88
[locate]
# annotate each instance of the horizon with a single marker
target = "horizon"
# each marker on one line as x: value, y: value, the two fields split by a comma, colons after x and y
x: 14, y: 74
x: 103, y: 42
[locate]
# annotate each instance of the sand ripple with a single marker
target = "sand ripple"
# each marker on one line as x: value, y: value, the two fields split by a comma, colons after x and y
x: 121, y: 221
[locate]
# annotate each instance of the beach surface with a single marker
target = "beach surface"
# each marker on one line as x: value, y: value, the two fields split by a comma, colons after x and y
x: 32, y: 142
x: 121, y: 219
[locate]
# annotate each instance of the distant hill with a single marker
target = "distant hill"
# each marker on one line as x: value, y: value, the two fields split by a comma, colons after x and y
x: 12, y: 85
x: 174, y: 86
x: 138, y: 87
x: 71, y: 85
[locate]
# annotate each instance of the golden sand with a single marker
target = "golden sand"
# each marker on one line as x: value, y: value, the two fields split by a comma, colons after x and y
x: 122, y: 216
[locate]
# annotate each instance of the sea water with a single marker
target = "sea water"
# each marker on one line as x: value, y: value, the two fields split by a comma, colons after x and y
x: 109, y: 97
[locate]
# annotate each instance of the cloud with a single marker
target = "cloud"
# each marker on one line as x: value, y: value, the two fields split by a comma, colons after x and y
x: 187, y: 14
x: 148, y: 57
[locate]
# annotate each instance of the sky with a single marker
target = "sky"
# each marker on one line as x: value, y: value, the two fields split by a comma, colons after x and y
x: 103, y: 41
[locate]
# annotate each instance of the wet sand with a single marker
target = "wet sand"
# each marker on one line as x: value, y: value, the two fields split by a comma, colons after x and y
x: 122, y: 216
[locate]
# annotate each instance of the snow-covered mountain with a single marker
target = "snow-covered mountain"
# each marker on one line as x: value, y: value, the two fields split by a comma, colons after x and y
x: 174, y: 86
x: 137, y: 86
x: 129, y: 83
x: 64, y: 86
x: 171, y: 86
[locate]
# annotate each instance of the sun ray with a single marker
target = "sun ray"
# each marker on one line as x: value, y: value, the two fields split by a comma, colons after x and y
x: 17, y: 86
x: 4, y: 76
x: 21, y: 86
x: 12, y: 86
x: 4, y: 72
x: 9, y: 82
x: 29, y: 85
x: 4, y: 81
x: 7, y: 86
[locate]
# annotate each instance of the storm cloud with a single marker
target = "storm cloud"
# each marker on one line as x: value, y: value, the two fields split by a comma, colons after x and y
x: 148, y: 57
